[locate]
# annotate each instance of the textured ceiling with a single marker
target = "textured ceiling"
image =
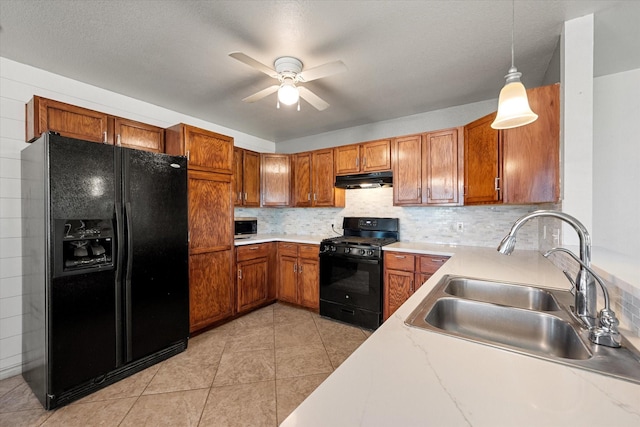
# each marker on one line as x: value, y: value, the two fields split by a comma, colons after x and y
x: 403, y: 57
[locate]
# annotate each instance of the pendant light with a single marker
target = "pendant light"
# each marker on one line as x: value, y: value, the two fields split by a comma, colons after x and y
x: 513, y: 104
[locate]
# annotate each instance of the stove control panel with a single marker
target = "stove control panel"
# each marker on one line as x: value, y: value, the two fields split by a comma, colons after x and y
x: 352, y: 251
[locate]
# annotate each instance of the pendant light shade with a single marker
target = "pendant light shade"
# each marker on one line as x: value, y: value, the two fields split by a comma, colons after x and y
x: 513, y: 104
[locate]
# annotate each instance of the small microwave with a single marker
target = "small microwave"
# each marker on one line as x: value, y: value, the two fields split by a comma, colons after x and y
x: 245, y: 227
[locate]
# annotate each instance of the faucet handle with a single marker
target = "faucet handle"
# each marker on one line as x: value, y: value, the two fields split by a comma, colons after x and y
x: 607, y: 334
x: 571, y: 280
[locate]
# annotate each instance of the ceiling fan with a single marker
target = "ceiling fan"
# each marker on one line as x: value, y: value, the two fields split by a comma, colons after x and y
x: 288, y: 71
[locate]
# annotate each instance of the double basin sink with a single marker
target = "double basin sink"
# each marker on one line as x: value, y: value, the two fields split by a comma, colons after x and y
x: 526, y: 319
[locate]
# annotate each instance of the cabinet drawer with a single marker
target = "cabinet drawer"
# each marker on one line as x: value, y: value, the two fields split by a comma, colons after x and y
x: 430, y: 263
x: 309, y: 251
x: 246, y: 252
x: 399, y: 261
x: 286, y: 248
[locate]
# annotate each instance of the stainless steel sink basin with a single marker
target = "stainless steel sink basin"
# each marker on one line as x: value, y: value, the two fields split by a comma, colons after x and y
x: 501, y: 293
x: 526, y: 319
x: 520, y: 329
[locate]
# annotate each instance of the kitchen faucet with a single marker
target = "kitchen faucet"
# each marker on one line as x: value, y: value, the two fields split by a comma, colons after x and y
x: 605, y: 330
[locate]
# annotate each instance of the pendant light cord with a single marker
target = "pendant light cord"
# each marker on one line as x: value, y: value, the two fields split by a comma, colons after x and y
x: 513, y: 24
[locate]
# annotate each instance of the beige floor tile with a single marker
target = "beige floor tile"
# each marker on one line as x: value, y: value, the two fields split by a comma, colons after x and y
x: 290, y: 392
x: 241, y: 405
x: 259, y: 318
x: 300, y: 361
x: 256, y: 338
x: 30, y: 418
x: 103, y: 413
x: 181, y: 408
x: 132, y: 386
x: 334, y: 332
x: 185, y: 371
x: 245, y: 367
x: 285, y: 314
x: 297, y: 334
x: 20, y: 398
x: 10, y: 383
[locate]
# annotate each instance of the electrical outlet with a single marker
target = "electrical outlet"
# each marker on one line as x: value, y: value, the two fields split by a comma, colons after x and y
x: 460, y: 227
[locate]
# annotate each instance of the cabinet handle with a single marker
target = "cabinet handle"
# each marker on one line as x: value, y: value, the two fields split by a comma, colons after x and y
x: 188, y: 158
x: 240, y: 274
x: 300, y: 269
x: 245, y: 197
x: 104, y: 137
x: 295, y: 268
x: 428, y: 192
x: 309, y: 196
x: 419, y: 193
x: 118, y: 141
x: 239, y: 198
x: 357, y: 162
x: 315, y: 197
x: 411, y: 285
x: 497, y: 183
x: 400, y: 256
x: 253, y: 248
x: 437, y: 260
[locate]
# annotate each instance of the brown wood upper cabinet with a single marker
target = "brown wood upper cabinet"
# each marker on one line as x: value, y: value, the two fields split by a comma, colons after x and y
x: 427, y: 169
x: 373, y: 156
x: 44, y: 115
x: 519, y: 165
x: 313, y: 180
x: 246, y: 174
x: 205, y: 150
x: 275, y: 179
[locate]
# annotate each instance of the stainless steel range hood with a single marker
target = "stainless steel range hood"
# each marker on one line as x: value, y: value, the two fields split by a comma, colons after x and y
x: 367, y: 180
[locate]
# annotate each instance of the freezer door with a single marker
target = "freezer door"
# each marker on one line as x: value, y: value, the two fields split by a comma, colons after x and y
x: 157, y: 275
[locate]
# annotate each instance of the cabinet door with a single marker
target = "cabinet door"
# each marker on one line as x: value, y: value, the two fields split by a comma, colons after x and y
x: 210, y: 212
x: 302, y: 179
x: 323, y: 178
x: 407, y: 171
x: 531, y: 153
x: 398, y: 287
x: 210, y: 288
x: 252, y: 280
x: 309, y: 283
x: 237, y: 176
x: 481, y: 162
x: 251, y: 179
x: 206, y: 150
x: 141, y: 136
x: 43, y: 115
x: 440, y: 163
x: 376, y: 156
x: 275, y: 179
x: 347, y: 158
x: 288, y: 278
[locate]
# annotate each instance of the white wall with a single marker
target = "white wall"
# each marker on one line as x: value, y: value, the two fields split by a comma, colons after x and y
x: 616, y: 163
x: 18, y: 83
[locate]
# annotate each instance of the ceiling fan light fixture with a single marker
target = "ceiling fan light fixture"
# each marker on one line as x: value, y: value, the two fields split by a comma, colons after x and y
x: 513, y: 104
x: 288, y: 93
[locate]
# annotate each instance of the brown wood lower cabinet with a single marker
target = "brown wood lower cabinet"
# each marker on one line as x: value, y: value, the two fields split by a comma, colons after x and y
x: 299, y: 274
x: 210, y: 293
x: 404, y: 273
x: 255, y: 275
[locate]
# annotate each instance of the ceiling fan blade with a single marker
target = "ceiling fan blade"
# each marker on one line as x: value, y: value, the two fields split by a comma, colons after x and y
x: 321, y: 71
x: 313, y: 99
x: 254, y: 64
x: 261, y: 94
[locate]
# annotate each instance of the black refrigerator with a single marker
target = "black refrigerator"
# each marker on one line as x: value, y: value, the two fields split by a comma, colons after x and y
x: 105, y: 264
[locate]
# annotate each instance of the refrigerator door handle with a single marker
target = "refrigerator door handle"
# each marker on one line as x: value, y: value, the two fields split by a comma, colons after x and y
x: 127, y: 283
x: 118, y: 291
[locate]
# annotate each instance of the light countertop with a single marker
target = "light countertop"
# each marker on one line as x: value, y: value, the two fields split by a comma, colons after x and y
x: 293, y: 238
x: 402, y: 376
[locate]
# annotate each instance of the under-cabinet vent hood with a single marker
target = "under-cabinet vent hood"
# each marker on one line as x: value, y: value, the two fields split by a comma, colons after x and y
x: 367, y: 180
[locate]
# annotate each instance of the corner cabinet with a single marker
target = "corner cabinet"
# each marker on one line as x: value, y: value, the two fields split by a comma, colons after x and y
x: 246, y: 174
x: 373, y: 156
x: 299, y: 274
x: 519, y: 165
x: 44, y: 115
x: 313, y: 180
x: 404, y: 273
x: 211, y: 279
x: 428, y: 169
x: 275, y: 180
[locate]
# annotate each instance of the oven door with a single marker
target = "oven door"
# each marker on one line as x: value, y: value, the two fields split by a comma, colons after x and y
x: 354, y: 282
